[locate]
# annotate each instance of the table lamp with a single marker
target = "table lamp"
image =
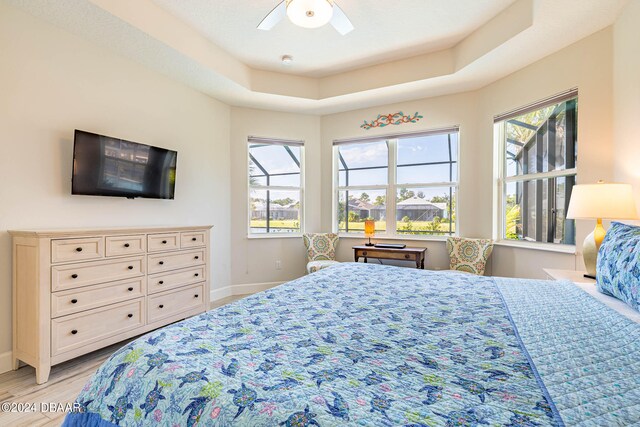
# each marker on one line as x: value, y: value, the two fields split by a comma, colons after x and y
x: 598, y: 201
x: 369, y: 230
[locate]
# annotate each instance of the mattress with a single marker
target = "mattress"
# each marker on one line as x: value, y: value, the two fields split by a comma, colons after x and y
x: 371, y: 345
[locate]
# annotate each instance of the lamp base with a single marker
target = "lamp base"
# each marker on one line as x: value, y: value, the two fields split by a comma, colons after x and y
x: 369, y: 244
x: 590, y: 249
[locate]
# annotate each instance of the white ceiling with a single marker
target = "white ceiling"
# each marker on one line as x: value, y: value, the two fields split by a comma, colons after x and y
x: 385, y: 30
x: 471, y: 51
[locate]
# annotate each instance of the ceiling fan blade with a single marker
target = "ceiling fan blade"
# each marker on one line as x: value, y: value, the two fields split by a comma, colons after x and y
x: 274, y: 16
x: 340, y: 21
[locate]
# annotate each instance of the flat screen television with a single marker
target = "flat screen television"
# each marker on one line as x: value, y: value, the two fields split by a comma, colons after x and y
x: 106, y: 166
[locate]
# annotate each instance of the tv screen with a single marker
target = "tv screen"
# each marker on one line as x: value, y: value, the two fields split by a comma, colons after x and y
x: 106, y: 166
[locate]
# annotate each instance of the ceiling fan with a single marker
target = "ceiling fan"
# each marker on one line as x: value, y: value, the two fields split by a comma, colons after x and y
x: 308, y: 14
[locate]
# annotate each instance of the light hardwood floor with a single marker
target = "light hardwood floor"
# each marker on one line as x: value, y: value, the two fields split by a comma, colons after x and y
x: 64, y: 385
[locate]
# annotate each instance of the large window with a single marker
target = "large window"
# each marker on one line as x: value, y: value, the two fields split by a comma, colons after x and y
x: 406, y: 183
x: 538, y: 150
x: 275, y: 186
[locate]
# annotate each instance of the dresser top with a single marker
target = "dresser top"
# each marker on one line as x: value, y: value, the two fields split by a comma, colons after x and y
x: 72, y: 232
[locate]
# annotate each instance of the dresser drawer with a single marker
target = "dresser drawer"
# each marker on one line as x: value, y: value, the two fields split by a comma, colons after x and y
x: 172, y: 261
x: 90, y: 273
x: 125, y: 245
x: 192, y: 239
x: 164, y: 281
x: 82, y: 299
x: 171, y: 303
x: 163, y: 242
x: 78, y: 330
x: 66, y: 250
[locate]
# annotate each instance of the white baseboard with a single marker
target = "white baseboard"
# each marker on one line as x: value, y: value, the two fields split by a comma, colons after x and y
x: 243, y: 289
x: 217, y: 294
x: 6, y: 362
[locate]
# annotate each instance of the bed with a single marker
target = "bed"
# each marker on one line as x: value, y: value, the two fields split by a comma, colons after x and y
x: 372, y: 345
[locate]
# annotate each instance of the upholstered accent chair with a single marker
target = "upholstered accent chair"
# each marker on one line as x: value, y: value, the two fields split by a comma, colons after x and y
x: 321, y: 250
x: 469, y: 255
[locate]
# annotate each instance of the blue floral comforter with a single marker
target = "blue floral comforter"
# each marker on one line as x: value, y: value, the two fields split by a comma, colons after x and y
x: 355, y: 344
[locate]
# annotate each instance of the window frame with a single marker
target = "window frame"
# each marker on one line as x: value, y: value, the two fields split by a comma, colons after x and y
x: 502, y: 180
x: 392, y: 187
x: 251, y: 140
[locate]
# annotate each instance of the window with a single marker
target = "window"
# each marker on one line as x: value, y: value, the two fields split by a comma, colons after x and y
x: 406, y: 183
x: 275, y: 186
x: 538, y: 150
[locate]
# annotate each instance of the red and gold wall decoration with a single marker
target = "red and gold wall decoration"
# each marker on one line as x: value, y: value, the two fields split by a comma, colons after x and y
x: 390, y: 119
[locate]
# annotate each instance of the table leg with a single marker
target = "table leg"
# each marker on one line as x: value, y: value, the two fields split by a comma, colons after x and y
x: 356, y: 257
x: 365, y: 260
x: 422, y: 264
x: 418, y: 263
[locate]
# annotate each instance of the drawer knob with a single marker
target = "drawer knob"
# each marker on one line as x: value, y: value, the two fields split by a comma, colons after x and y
x: 164, y: 242
x: 74, y: 301
x: 126, y: 245
x: 75, y: 331
x: 74, y: 276
x: 193, y: 239
x: 129, y: 315
x: 161, y: 263
x: 79, y: 249
x: 196, y: 257
x: 197, y: 274
x: 364, y: 253
x: 196, y: 296
x: 161, y: 306
x: 407, y: 256
x: 161, y: 282
x: 130, y: 267
x: 130, y: 289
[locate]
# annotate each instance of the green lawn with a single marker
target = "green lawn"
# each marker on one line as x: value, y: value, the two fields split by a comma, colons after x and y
x: 262, y: 223
x: 417, y: 226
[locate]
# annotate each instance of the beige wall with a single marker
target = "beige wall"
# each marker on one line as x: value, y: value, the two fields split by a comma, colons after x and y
x: 253, y: 261
x: 626, y: 90
x: 52, y: 82
x: 586, y: 65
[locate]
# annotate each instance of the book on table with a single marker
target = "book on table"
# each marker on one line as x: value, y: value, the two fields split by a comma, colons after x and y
x: 390, y: 245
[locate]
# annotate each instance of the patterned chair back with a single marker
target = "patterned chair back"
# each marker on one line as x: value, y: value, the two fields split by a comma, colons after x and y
x: 469, y: 255
x: 320, y: 246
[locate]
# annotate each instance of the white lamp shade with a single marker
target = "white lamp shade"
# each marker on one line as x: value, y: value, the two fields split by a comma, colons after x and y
x: 309, y: 13
x: 602, y: 201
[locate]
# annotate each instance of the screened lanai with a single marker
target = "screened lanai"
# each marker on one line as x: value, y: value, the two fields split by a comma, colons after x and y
x: 275, y: 186
x: 420, y: 170
x: 540, y: 170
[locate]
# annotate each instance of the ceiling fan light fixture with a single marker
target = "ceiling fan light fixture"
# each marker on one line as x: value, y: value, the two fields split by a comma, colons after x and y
x: 309, y: 13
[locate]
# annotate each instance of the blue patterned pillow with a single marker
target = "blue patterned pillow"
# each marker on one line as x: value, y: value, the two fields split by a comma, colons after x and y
x: 618, y: 270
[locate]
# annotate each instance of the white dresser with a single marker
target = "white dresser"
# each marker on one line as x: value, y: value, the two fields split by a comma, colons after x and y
x: 75, y: 291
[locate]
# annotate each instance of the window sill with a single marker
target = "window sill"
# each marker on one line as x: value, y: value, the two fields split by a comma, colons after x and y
x: 274, y: 236
x: 395, y: 238
x: 549, y: 247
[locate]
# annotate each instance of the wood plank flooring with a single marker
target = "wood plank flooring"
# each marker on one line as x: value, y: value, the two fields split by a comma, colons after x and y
x: 64, y: 385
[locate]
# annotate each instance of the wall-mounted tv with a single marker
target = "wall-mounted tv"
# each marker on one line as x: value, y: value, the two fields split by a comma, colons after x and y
x: 106, y: 166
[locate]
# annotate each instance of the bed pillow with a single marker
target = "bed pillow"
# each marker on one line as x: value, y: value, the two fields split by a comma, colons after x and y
x: 618, y: 268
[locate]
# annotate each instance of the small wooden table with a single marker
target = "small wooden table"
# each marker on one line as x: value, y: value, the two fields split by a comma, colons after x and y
x: 416, y: 255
